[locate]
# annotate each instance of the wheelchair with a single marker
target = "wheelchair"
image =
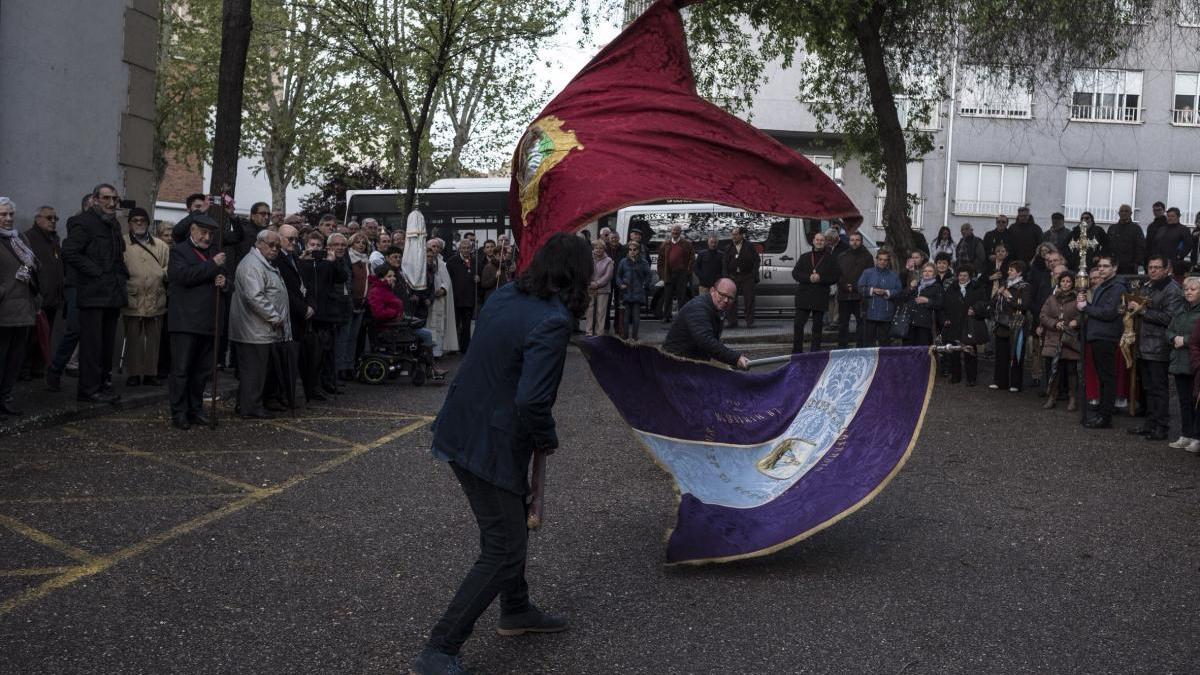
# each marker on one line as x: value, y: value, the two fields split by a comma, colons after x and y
x: 396, y: 351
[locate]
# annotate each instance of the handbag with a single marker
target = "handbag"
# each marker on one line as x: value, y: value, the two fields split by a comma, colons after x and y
x: 901, y: 321
x: 1070, y: 340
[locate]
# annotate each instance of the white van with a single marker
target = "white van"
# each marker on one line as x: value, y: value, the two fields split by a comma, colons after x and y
x: 780, y: 242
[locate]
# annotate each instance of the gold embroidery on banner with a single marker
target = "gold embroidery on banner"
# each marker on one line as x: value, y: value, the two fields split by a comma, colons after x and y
x: 543, y: 146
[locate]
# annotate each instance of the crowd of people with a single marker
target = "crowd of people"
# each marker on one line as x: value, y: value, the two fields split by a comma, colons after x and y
x: 269, y: 299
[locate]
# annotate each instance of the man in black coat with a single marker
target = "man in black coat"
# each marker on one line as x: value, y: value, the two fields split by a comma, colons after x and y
x: 1023, y: 237
x: 815, y: 272
x: 741, y: 266
x: 1127, y: 242
x: 65, y: 349
x: 996, y: 237
x: 696, y: 331
x: 1102, y: 333
x: 1096, y: 234
x: 325, y: 278
x: 1160, y: 221
x: 1173, y: 240
x: 851, y: 264
x: 194, y: 270
x: 464, y: 279
x: 964, y: 305
x: 708, y: 265
x: 301, y: 309
x: 1058, y: 234
x: 95, y: 250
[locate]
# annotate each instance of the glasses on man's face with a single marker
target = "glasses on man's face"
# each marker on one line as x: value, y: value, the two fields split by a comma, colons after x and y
x: 107, y: 198
x: 727, y: 297
x: 136, y: 220
x: 53, y: 219
x: 272, y: 244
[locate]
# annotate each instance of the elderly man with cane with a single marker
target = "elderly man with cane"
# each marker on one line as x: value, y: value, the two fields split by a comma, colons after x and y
x: 258, y: 320
x: 533, y: 317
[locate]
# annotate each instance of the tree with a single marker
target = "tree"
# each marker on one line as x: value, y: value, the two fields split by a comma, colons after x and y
x: 294, y: 96
x: 339, y: 177
x: 236, y: 24
x: 408, y: 48
x: 862, y: 57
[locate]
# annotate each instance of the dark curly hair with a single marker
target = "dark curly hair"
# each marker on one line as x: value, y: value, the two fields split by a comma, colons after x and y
x: 562, y: 267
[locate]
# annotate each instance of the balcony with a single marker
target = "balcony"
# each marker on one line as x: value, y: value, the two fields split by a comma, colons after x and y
x: 1102, y: 214
x: 970, y: 110
x: 917, y: 212
x: 1185, y: 118
x: 1106, y: 114
x: 967, y: 207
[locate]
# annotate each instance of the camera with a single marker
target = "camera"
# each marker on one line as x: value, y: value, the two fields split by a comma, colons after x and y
x: 127, y: 204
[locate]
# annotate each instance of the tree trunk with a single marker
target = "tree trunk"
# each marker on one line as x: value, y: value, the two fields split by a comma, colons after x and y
x: 891, y: 134
x: 236, y: 25
x: 276, y: 177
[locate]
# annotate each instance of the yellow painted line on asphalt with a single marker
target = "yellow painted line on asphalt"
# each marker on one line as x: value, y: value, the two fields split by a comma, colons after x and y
x: 315, y: 434
x: 159, y: 459
x: 103, y: 563
x: 46, y: 540
x: 107, y: 499
x: 36, y: 571
x: 370, y: 411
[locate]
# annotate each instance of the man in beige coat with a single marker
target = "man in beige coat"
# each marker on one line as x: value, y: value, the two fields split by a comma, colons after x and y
x: 146, y: 258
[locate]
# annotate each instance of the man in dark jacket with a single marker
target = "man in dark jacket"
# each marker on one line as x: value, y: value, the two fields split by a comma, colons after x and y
x: 1172, y: 240
x: 1160, y: 221
x: 195, y: 268
x: 851, y: 264
x: 301, y: 309
x: 1154, y: 351
x: 815, y: 272
x: 1100, y: 244
x: 741, y: 266
x: 65, y: 349
x: 708, y: 265
x: 1058, y: 234
x: 1126, y: 241
x: 1102, y: 332
x: 325, y: 278
x: 675, y: 259
x: 43, y: 240
x: 996, y: 237
x: 970, y: 249
x: 1023, y: 237
x: 964, y: 306
x: 464, y: 279
x: 95, y: 250
x: 696, y: 332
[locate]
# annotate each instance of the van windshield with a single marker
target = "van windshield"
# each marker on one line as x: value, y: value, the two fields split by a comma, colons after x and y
x: 769, y: 232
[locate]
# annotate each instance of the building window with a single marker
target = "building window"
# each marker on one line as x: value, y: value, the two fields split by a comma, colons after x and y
x: 1107, y: 96
x: 1187, y: 98
x: 984, y: 189
x: 634, y: 9
x: 1100, y: 191
x: 1183, y: 192
x: 916, y: 172
x: 984, y: 93
x: 907, y: 107
x: 827, y: 165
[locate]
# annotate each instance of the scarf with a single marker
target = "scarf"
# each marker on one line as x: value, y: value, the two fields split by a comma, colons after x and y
x: 24, y: 253
x: 925, y: 283
x: 356, y: 257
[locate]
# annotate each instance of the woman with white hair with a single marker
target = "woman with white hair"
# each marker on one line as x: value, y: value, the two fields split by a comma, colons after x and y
x: 19, y: 302
x: 1182, y: 365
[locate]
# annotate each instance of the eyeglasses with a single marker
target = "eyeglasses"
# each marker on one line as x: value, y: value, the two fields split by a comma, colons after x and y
x: 53, y: 219
x: 108, y: 198
x: 726, y: 296
x: 272, y: 245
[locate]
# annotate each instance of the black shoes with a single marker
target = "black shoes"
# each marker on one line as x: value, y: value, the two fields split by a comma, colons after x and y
x: 199, y: 419
x: 133, y: 381
x: 316, y: 396
x: 53, y: 381
x: 6, y: 408
x: 1158, y: 434
x: 532, y: 621
x: 99, y: 397
x: 1098, y: 421
x: 1140, y: 431
x: 432, y: 662
x: 180, y: 423
x: 148, y: 381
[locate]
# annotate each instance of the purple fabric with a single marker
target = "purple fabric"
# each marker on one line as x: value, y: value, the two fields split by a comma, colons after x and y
x: 661, y: 395
x: 696, y: 401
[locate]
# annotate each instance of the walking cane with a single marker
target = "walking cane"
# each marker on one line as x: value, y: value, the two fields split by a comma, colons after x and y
x: 538, y: 489
x: 222, y: 222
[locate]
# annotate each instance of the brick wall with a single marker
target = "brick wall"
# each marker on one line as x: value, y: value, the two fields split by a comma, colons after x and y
x: 179, y: 181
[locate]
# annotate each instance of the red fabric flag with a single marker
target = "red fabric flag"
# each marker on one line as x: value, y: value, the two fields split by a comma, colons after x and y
x: 630, y: 129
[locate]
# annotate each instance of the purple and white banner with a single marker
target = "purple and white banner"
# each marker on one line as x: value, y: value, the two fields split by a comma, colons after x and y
x: 763, y: 460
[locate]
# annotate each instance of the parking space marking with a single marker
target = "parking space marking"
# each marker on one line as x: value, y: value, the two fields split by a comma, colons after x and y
x: 46, y: 540
x: 105, y: 499
x: 315, y: 434
x: 104, y: 563
x: 36, y: 571
x: 158, y: 458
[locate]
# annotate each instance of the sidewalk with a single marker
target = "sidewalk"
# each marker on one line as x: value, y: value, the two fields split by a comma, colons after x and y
x: 43, y: 408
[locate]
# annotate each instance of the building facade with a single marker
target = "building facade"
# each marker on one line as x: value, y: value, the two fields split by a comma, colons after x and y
x: 77, y: 81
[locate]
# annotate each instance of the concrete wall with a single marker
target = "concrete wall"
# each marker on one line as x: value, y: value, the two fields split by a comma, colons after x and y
x: 77, y: 85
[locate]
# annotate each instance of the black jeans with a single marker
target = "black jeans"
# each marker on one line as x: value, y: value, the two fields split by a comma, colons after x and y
x: 876, y: 333
x: 1104, y: 360
x: 191, y: 367
x: 97, y: 339
x: 818, y: 325
x: 1009, y: 372
x: 254, y: 362
x: 1156, y: 384
x: 1187, y: 407
x: 500, y: 569
x: 675, y: 289
x: 12, y: 352
x: 963, y: 361
x: 462, y: 321
x: 846, y: 309
x: 918, y: 335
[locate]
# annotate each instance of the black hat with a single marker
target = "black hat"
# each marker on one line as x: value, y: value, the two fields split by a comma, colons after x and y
x: 204, y: 221
x: 138, y: 211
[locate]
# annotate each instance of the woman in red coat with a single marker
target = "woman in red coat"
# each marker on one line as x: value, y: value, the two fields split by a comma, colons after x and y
x: 387, y: 308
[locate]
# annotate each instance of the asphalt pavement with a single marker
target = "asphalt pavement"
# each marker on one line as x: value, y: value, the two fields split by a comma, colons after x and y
x: 1012, y: 541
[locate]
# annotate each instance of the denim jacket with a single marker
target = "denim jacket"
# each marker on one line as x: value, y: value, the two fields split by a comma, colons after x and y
x: 879, y: 309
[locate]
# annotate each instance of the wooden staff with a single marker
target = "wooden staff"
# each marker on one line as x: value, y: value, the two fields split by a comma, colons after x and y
x: 222, y: 222
x: 538, y: 489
